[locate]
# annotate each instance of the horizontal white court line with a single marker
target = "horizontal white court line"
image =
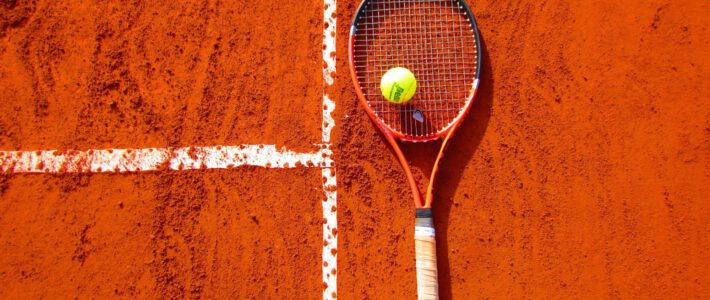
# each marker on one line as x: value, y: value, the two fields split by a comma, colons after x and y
x: 158, y: 159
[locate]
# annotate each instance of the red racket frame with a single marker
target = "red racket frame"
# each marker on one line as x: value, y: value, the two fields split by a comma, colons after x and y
x: 424, y: 233
x: 392, y: 135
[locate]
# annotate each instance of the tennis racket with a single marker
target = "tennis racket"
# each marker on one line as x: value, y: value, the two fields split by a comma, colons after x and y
x: 438, y: 41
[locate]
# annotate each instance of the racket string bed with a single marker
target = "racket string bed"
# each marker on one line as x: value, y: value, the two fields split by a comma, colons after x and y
x: 435, y: 41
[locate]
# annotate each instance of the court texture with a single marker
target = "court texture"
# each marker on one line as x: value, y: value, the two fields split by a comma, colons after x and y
x: 217, y: 149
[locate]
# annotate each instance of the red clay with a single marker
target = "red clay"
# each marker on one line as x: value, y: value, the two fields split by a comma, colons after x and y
x: 133, y: 75
x: 581, y: 172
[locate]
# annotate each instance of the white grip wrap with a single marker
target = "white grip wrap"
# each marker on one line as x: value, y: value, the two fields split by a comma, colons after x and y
x: 425, y: 252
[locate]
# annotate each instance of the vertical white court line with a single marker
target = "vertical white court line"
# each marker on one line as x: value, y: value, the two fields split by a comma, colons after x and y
x: 330, y: 222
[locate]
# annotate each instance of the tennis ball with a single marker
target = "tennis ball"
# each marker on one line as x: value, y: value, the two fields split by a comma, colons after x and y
x: 398, y: 85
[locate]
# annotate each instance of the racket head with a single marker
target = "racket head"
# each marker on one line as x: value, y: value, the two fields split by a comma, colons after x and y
x: 438, y: 41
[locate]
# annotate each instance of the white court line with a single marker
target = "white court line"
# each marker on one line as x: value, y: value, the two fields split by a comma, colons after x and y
x: 215, y: 157
x: 330, y: 225
x: 158, y: 159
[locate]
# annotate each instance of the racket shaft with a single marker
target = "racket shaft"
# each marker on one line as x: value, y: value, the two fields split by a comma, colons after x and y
x: 425, y: 252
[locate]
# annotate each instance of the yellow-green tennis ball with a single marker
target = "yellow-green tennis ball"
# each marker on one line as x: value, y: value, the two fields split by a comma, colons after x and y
x: 398, y: 85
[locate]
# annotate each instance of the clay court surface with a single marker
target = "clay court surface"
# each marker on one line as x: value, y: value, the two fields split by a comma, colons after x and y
x: 582, y: 171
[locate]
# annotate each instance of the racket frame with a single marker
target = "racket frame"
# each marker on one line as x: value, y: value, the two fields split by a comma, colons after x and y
x: 393, y: 135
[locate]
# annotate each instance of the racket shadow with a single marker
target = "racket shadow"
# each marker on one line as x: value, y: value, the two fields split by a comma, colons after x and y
x: 459, y: 153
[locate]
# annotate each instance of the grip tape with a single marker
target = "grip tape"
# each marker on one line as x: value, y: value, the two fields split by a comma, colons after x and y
x: 425, y: 252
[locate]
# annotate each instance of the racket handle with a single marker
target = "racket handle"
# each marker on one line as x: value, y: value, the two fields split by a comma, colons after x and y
x: 425, y: 252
